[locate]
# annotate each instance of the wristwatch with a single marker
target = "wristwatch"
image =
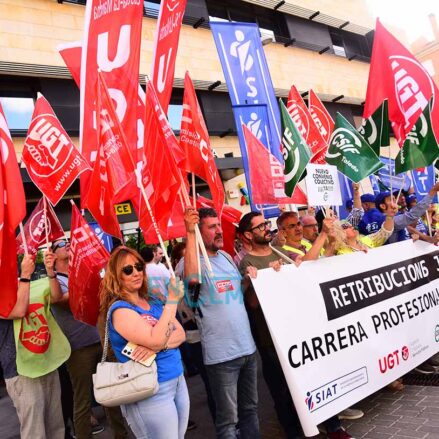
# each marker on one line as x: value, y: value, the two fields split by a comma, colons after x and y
x: 24, y: 279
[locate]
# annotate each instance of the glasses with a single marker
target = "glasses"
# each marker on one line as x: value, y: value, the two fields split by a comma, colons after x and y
x: 58, y: 245
x: 129, y: 269
x: 292, y: 226
x: 261, y: 227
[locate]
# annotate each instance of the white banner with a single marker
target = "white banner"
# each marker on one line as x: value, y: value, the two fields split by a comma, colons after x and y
x: 346, y: 326
x: 322, y: 185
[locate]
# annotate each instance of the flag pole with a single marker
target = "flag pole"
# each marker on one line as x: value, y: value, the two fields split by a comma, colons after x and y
x: 45, y: 221
x: 391, y: 173
x: 283, y: 256
x: 154, y: 223
x: 194, y: 197
x: 428, y: 222
x: 23, y: 238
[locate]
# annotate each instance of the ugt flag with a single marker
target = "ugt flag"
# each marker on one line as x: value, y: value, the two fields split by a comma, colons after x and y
x: 397, y: 75
x: 420, y: 148
x: 51, y: 158
x: 35, y: 228
x: 12, y: 212
x: 251, y: 90
x: 112, y: 32
x: 350, y: 152
x: 88, y: 257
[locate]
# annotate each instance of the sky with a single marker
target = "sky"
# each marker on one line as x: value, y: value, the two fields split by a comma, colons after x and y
x: 412, y: 16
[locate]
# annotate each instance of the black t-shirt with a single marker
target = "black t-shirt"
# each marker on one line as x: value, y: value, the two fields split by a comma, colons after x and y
x: 8, y: 352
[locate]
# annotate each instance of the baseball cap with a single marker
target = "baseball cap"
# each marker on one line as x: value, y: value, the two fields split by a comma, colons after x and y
x: 367, y: 198
x: 410, y: 198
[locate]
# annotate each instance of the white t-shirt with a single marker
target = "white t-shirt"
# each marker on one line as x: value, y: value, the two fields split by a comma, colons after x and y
x: 158, y: 277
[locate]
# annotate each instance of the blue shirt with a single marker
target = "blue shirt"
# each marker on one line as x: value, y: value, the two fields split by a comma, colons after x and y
x: 224, y: 328
x: 169, y: 364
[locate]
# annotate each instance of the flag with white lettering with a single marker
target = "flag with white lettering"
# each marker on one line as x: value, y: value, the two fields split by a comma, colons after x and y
x: 295, y: 151
x: 350, y: 153
x: 51, y: 158
x: 420, y: 148
x: 35, y: 229
x: 397, y: 75
x: 375, y: 129
x: 304, y: 122
x: 320, y: 116
x: 88, y: 257
x: 194, y: 139
x: 165, y: 49
x: 112, y: 33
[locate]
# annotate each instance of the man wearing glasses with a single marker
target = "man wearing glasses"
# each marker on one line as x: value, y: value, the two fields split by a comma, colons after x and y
x: 258, y: 232
x: 310, y: 229
x: 84, y: 339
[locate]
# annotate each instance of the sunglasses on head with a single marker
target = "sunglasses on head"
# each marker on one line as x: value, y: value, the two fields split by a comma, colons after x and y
x: 58, y: 245
x: 346, y: 226
x: 129, y: 269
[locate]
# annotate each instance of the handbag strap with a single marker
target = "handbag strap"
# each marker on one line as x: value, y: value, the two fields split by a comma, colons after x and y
x: 105, y: 349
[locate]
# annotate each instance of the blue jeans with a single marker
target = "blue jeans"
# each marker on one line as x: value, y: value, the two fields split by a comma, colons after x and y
x: 163, y: 416
x: 234, y: 389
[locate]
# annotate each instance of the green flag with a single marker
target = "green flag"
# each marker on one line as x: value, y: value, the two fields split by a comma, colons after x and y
x: 375, y: 129
x: 350, y: 153
x: 295, y: 151
x: 420, y: 148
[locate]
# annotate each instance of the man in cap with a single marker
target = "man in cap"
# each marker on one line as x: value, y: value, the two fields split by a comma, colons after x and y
x: 372, y: 218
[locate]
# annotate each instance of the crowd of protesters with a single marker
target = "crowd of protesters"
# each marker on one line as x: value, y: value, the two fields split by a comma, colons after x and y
x: 190, y: 327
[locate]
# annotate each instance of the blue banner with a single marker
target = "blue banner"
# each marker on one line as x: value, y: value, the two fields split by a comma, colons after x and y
x: 251, y: 90
x: 106, y: 239
x: 347, y: 193
x: 398, y: 181
x: 423, y: 181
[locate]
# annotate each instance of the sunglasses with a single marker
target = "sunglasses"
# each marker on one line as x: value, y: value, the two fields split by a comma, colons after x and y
x: 129, y: 269
x: 346, y: 226
x: 261, y: 227
x: 58, y: 245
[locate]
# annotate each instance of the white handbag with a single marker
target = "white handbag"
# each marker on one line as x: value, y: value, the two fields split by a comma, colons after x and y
x: 123, y: 383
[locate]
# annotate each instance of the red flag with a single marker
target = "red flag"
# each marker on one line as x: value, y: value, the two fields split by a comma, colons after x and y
x: 12, y: 212
x: 194, y: 138
x: 114, y: 169
x: 35, y: 229
x: 395, y: 74
x: 305, y: 124
x: 88, y: 257
x: 51, y: 159
x: 267, y: 176
x: 160, y: 175
x: 71, y: 54
x: 165, y: 50
x: 229, y: 220
x: 321, y: 117
x: 111, y: 43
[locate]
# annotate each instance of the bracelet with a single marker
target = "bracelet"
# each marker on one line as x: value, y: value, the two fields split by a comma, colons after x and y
x: 51, y: 277
x: 24, y: 279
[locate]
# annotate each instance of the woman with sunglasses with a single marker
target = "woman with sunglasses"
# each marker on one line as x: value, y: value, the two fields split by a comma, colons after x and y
x: 348, y: 240
x: 137, y: 317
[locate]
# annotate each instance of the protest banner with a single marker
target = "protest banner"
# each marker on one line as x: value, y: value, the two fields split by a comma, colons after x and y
x: 322, y: 185
x: 351, y: 324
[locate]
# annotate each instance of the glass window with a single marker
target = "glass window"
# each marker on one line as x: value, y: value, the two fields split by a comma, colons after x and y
x: 18, y: 112
x: 151, y: 8
x: 175, y: 112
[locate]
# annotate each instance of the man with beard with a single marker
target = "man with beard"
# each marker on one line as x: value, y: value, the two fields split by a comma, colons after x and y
x: 257, y: 230
x: 229, y: 352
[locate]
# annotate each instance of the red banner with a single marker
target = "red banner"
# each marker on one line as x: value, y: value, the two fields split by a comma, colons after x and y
x: 88, y: 257
x: 12, y: 212
x: 267, y: 175
x: 35, y: 229
x: 51, y: 158
x: 112, y: 43
x: 321, y: 117
x: 395, y: 74
x: 305, y: 124
x: 194, y: 139
x: 165, y: 49
x: 71, y: 55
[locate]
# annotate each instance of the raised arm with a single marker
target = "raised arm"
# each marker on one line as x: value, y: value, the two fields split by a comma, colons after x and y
x: 191, y: 218
x: 56, y: 295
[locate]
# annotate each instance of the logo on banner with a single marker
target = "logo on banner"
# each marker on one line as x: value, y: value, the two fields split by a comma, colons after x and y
x: 254, y: 125
x: 409, y: 93
x: 344, y: 140
x: 34, y: 331
x: 300, y: 118
x: 321, y: 120
x: 36, y: 227
x: 436, y: 333
x: 240, y: 49
x: 322, y: 395
x: 372, y: 132
x: 308, y: 401
x: 46, y: 144
x: 391, y: 360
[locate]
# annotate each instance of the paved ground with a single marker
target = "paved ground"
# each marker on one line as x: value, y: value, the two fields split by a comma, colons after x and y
x: 412, y: 413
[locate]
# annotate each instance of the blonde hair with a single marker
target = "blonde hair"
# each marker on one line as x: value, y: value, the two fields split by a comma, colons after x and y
x: 340, y: 236
x: 111, y: 288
